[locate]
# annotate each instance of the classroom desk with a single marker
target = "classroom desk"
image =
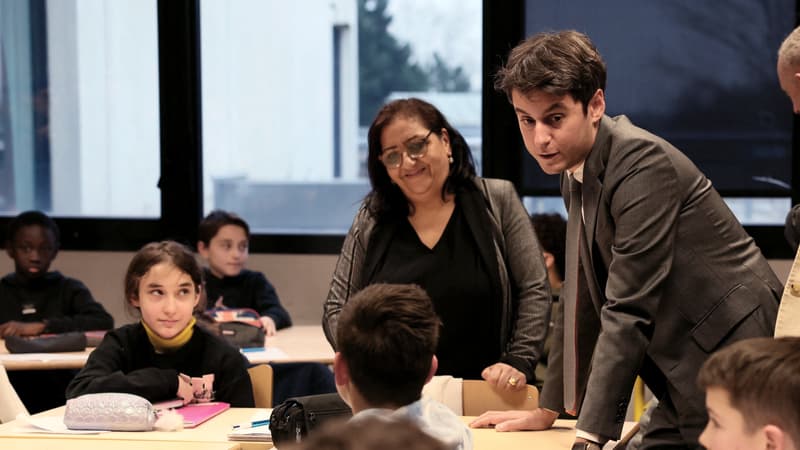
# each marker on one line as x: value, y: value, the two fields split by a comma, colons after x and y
x: 304, y: 343
x: 40, y: 443
x: 560, y: 436
x: 212, y: 435
x: 43, y: 361
x: 301, y: 343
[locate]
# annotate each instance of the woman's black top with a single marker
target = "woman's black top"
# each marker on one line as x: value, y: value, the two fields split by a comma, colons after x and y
x: 456, y: 279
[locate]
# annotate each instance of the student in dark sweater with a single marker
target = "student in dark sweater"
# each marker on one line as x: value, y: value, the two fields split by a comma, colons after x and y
x: 223, y: 242
x: 34, y: 301
x: 165, y: 355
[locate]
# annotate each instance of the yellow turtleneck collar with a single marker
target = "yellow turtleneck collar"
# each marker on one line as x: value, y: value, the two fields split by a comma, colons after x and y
x: 167, y: 345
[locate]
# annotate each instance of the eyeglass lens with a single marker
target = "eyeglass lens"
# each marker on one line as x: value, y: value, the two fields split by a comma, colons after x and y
x: 414, y: 149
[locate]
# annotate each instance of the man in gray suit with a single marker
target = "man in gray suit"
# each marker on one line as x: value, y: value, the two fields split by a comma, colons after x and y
x: 660, y: 274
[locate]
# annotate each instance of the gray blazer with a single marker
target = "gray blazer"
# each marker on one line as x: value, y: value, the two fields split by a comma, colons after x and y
x: 523, y: 276
x: 670, y: 276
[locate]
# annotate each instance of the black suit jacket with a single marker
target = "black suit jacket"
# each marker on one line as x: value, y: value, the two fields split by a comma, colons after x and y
x: 669, y: 276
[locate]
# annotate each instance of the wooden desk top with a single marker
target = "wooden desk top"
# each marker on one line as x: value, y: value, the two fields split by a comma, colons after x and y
x: 560, y: 436
x: 305, y: 343
x: 301, y: 343
x: 212, y: 435
x: 38, y: 442
x: 214, y: 431
x: 43, y: 361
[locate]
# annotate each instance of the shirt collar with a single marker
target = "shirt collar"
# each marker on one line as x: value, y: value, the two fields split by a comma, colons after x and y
x: 577, y: 174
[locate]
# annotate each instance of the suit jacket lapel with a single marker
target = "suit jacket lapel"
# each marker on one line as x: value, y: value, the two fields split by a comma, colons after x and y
x: 593, y: 172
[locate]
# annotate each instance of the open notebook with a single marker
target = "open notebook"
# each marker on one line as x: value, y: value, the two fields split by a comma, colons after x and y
x: 257, y: 429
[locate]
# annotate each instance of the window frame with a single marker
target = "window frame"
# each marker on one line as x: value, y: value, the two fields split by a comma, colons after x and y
x: 501, y: 33
x: 181, y: 145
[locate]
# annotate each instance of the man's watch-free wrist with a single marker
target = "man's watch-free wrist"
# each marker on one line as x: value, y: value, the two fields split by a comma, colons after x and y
x: 586, y: 446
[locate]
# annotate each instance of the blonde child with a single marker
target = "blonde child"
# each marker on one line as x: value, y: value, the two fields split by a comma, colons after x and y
x: 165, y: 355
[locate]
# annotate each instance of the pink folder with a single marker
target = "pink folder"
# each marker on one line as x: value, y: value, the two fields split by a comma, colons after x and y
x: 196, y: 413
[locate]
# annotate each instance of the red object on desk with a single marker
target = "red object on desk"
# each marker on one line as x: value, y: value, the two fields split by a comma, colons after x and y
x: 196, y: 413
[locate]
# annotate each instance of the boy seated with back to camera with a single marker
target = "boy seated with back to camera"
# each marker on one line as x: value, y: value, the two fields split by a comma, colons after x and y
x: 223, y: 242
x: 34, y: 300
x: 387, y: 336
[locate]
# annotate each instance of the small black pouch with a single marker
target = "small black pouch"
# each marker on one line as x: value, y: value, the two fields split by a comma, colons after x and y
x: 242, y: 335
x: 74, y: 341
x: 293, y: 419
x: 239, y: 326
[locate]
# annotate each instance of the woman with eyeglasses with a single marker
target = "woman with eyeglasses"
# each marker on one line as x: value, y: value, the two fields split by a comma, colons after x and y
x: 466, y: 240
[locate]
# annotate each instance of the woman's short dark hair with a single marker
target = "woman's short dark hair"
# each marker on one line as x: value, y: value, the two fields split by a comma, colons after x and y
x: 559, y: 63
x: 155, y: 253
x: 386, y: 199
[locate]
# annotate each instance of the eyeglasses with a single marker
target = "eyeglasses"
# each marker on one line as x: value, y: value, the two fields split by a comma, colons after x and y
x: 415, y: 149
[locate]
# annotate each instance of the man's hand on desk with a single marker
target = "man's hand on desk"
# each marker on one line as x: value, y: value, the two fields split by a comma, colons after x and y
x: 14, y: 328
x: 538, y: 419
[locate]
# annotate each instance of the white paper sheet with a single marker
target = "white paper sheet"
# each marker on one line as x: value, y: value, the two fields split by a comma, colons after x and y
x: 49, y: 424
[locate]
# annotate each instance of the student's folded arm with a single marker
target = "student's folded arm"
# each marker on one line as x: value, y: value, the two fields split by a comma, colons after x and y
x: 105, y: 372
x: 84, y: 313
x: 151, y: 383
x: 233, y: 384
x: 268, y: 304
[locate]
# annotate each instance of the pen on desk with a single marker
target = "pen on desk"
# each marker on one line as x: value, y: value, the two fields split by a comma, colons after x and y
x: 253, y: 424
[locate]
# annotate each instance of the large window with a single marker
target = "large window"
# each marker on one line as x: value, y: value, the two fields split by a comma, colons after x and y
x: 79, y: 110
x: 127, y: 120
x: 289, y: 90
x: 702, y: 76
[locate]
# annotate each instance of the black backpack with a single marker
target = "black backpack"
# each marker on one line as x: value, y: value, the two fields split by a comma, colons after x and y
x: 293, y: 419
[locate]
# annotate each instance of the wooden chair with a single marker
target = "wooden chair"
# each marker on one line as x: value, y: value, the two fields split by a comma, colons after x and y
x: 10, y: 404
x: 479, y: 397
x: 261, y: 379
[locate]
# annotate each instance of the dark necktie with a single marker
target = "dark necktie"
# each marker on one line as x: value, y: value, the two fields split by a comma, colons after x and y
x: 570, y: 296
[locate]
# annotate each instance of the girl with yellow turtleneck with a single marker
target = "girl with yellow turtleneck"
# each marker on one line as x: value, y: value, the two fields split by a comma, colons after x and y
x: 165, y: 355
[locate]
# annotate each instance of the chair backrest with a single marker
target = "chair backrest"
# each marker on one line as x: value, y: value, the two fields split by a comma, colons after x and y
x: 10, y: 404
x: 788, y: 321
x: 261, y: 379
x: 480, y: 396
